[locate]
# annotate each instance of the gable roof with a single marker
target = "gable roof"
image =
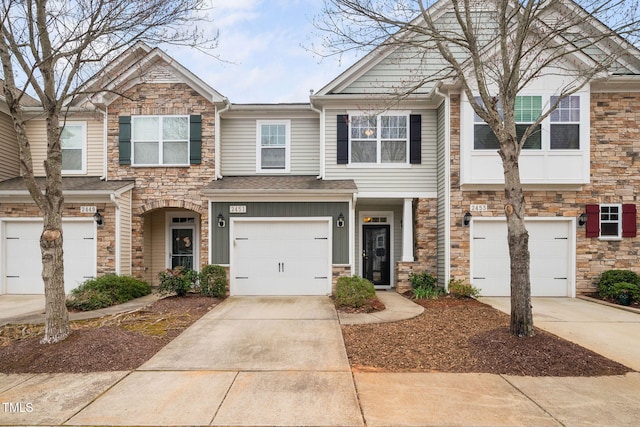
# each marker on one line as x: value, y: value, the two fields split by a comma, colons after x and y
x: 342, y: 85
x: 133, y: 67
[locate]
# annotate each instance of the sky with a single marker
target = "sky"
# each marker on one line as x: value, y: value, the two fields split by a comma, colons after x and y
x: 264, y: 50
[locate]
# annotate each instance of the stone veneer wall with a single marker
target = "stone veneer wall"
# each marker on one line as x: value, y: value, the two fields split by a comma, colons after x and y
x: 615, y: 178
x: 106, y: 235
x: 163, y: 187
x: 425, y: 244
x: 337, y: 272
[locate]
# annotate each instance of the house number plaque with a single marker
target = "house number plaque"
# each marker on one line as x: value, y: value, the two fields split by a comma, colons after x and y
x: 88, y: 209
x: 238, y: 209
x: 478, y: 208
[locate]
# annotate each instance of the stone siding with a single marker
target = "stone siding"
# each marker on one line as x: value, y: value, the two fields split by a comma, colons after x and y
x: 163, y: 187
x: 615, y: 178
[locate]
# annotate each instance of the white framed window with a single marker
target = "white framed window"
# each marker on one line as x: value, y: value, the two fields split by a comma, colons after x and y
x: 564, y: 132
x: 379, y: 139
x: 611, y: 221
x: 160, y: 140
x: 527, y: 110
x: 273, y: 146
x: 73, y: 141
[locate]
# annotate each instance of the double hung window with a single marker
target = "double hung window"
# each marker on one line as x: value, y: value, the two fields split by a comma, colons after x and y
x: 527, y: 111
x: 73, y: 141
x: 273, y: 146
x: 160, y: 140
x: 379, y: 139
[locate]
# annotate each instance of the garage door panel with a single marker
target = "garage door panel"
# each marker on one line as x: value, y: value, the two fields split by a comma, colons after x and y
x: 548, y: 248
x: 23, y: 260
x: 280, y: 258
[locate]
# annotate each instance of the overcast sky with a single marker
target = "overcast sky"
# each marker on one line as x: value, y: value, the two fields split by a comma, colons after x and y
x: 264, y: 43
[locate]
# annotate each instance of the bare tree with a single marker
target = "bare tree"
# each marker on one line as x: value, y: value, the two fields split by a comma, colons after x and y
x: 47, y: 48
x: 493, y: 49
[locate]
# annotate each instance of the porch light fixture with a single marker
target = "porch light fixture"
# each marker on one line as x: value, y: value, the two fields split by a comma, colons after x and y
x: 221, y: 222
x: 467, y: 219
x: 340, y: 222
x: 582, y: 219
x: 98, y: 219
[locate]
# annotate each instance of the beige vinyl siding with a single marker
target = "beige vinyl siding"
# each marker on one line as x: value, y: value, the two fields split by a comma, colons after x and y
x: 124, y: 202
x: 238, y: 145
x: 37, y: 133
x: 9, y: 153
x: 387, y: 178
x: 155, y: 245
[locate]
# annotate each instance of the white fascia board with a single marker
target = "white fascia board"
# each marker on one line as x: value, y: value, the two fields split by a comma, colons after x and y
x: 398, y: 195
x: 274, y: 198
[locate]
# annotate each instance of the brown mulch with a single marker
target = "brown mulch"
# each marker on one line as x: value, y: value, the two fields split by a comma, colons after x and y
x: 121, y: 342
x: 450, y: 336
x: 464, y: 335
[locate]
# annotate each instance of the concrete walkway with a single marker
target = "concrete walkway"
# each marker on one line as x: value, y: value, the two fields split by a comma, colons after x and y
x: 282, y: 362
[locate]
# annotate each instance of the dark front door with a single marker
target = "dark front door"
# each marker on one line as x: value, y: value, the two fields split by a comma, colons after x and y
x: 375, y: 254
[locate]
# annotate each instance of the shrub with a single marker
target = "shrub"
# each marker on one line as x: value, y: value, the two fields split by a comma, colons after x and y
x: 424, y: 286
x: 178, y: 280
x: 105, y: 291
x: 608, y: 280
x: 460, y: 289
x: 629, y: 288
x: 354, y: 291
x: 213, y: 281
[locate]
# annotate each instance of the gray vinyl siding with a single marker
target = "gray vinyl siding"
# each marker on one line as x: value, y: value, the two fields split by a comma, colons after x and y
x: 386, y: 178
x: 442, y: 194
x: 340, y: 236
x: 238, y: 145
x: 9, y: 155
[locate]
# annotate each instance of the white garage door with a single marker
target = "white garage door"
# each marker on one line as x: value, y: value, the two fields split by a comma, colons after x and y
x: 281, y: 257
x: 549, y: 246
x: 23, y: 261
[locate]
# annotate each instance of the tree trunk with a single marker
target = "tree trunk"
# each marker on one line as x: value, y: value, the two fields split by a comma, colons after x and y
x: 56, y: 314
x: 518, y: 238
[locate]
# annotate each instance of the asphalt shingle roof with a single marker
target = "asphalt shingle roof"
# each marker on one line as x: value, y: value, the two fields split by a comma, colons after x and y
x: 280, y: 183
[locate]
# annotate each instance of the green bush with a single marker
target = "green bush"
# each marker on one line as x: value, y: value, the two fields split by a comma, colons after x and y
x: 608, y: 280
x: 213, y: 281
x: 460, y: 289
x: 425, y: 286
x: 354, y: 291
x: 178, y: 280
x: 629, y: 288
x: 105, y: 291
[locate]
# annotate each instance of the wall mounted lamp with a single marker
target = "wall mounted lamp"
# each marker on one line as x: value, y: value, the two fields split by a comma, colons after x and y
x: 340, y: 222
x: 582, y: 219
x: 98, y: 219
x: 221, y: 222
x: 467, y: 219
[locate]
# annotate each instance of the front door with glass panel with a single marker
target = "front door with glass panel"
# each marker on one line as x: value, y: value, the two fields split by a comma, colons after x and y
x: 376, y: 263
x: 182, y: 247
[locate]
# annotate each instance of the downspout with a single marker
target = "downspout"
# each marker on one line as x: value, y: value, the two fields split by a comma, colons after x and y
x: 322, y: 139
x: 118, y: 261
x: 447, y: 186
x: 217, y: 143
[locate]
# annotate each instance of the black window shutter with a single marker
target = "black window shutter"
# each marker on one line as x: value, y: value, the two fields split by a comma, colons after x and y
x: 195, y: 139
x: 343, y: 139
x: 629, y: 226
x: 124, y: 140
x: 592, y: 227
x: 415, y: 139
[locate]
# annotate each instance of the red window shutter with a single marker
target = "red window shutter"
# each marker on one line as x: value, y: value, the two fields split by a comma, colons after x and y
x: 593, y: 220
x: 629, y: 226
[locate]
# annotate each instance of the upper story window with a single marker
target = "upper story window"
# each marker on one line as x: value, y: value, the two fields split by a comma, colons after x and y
x: 160, y: 140
x: 565, y: 124
x: 527, y: 111
x: 273, y: 146
x: 379, y: 139
x: 73, y: 140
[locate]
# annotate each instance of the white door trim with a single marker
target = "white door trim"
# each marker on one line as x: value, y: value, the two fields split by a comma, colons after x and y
x: 392, y: 259
x: 195, y: 226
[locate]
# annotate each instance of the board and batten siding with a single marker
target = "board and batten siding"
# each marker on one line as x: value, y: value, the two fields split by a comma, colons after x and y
x: 124, y: 202
x: 9, y: 153
x: 340, y: 236
x: 387, y: 178
x: 239, y: 145
x: 37, y: 133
